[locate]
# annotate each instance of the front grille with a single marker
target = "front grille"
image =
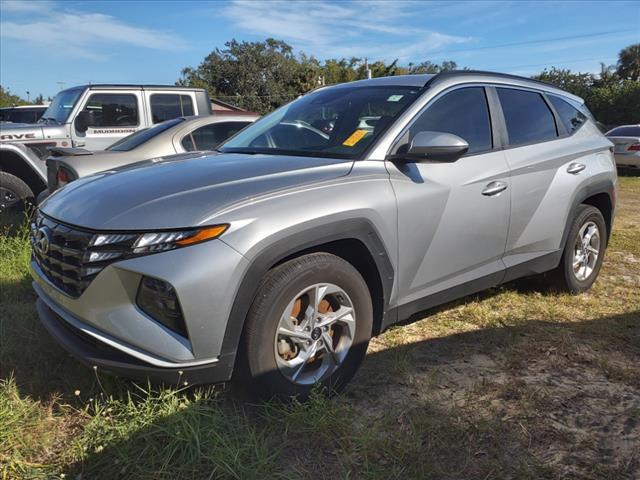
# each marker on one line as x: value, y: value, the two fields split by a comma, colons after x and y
x: 64, y: 253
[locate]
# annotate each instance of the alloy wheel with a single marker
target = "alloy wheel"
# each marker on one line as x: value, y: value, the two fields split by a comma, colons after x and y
x: 314, y: 334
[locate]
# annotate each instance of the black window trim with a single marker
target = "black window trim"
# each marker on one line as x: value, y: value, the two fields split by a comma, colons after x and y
x: 494, y: 119
x: 137, y: 97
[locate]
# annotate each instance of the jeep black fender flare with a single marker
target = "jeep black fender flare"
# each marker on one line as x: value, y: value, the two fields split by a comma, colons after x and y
x: 12, y: 152
x: 359, y: 229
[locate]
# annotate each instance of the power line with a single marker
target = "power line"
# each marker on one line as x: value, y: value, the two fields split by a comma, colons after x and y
x: 556, y: 62
x: 531, y: 42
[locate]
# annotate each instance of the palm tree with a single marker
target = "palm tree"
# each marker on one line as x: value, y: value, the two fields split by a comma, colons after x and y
x: 629, y: 62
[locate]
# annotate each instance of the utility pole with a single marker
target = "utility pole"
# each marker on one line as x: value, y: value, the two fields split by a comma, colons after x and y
x: 366, y: 68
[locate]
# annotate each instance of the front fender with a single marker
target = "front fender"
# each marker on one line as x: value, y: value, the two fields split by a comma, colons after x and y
x: 26, y: 155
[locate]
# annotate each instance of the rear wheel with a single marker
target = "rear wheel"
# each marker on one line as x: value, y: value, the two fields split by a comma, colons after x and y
x: 583, y: 253
x: 309, y: 326
x: 15, y: 195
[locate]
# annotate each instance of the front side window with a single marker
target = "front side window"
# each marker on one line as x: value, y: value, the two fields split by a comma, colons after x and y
x: 209, y: 137
x: 339, y: 122
x: 527, y: 115
x: 165, y: 106
x: 571, y: 117
x: 61, y: 106
x: 463, y: 112
x: 140, y: 137
x: 112, y: 110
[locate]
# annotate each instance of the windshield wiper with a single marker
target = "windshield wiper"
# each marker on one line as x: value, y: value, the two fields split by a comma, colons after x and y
x: 47, y: 120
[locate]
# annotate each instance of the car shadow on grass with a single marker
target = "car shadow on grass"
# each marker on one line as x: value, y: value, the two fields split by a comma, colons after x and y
x: 537, y: 399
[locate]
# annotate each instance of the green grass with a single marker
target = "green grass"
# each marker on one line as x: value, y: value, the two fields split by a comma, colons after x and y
x: 512, y: 383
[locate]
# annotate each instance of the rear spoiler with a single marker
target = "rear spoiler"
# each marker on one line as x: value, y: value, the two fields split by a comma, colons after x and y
x: 68, y: 152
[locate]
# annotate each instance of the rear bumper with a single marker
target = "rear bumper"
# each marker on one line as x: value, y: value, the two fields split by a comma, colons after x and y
x: 627, y: 159
x: 104, y: 358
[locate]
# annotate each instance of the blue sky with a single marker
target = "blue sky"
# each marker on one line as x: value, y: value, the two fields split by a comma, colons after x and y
x: 44, y: 42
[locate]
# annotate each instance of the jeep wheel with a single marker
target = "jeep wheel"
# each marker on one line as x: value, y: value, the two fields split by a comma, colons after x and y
x: 14, y: 193
x: 583, y: 253
x: 309, y: 325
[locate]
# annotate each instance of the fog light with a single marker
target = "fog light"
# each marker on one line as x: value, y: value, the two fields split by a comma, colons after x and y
x: 158, y: 299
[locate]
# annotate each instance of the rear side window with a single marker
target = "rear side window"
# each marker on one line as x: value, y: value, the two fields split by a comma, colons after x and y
x: 463, y: 112
x: 571, y: 117
x: 209, y: 137
x: 527, y: 115
x: 113, y: 110
x: 136, y: 139
x: 165, y: 106
x: 625, y: 132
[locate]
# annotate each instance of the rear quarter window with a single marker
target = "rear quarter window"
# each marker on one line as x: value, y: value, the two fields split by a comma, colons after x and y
x: 165, y: 106
x: 571, y: 117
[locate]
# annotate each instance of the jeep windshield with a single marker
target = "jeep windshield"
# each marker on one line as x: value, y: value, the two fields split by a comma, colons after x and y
x: 337, y: 122
x: 61, y: 106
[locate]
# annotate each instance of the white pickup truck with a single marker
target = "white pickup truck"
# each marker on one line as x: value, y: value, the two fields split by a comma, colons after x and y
x: 92, y: 117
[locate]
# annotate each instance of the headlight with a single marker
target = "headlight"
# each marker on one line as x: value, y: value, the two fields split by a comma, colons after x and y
x: 150, y: 242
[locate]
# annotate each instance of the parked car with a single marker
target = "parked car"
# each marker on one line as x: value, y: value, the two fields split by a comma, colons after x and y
x: 626, y: 141
x: 22, y: 114
x: 178, y: 135
x: 275, y: 259
x: 92, y: 117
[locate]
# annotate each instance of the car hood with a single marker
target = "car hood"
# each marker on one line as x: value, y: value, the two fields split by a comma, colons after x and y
x: 12, y: 132
x: 183, y: 192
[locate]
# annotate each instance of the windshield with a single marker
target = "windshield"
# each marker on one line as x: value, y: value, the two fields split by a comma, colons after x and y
x: 142, y: 136
x: 338, y: 122
x: 61, y: 106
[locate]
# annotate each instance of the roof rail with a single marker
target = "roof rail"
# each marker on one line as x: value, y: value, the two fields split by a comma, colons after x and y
x: 456, y: 73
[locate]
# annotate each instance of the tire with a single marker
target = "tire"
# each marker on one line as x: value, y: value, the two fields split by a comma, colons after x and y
x: 260, y: 374
x: 15, y: 195
x: 565, y: 277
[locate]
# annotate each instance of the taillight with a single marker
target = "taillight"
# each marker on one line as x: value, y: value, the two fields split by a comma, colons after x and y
x: 634, y: 147
x: 63, y: 177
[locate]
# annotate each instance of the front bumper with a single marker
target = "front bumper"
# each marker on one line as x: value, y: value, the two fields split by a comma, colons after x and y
x: 103, y: 327
x: 106, y: 359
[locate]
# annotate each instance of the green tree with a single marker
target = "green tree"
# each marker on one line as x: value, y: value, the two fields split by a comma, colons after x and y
x: 258, y: 76
x: 629, y: 62
x: 7, y: 99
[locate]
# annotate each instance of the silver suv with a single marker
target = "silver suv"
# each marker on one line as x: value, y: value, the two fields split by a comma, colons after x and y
x: 276, y: 259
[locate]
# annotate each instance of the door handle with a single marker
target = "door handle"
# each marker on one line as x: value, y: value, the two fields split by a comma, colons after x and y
x: 494, y: 188
x: 575, y: 168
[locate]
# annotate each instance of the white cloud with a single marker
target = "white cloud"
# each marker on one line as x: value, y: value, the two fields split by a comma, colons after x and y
x: 80, y: 34
x: 378, y: 29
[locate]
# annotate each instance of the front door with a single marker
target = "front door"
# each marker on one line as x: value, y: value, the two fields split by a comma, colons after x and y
x: 453, y: 218
x: 114, y: 115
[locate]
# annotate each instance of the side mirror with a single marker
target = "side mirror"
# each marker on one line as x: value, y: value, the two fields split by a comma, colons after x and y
x: 83, y: 121
x: 433, y: 146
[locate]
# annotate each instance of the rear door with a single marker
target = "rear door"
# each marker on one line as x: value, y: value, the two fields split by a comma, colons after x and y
x: 453, y: 217
x: 549, y: 158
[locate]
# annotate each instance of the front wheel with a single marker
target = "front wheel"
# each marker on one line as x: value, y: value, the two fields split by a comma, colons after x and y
x: 309, y: 326
x: 583, y: 253
x: 15, y: 195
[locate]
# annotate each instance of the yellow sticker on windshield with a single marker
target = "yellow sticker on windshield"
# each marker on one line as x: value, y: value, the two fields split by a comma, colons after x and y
x: 354, y: 138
